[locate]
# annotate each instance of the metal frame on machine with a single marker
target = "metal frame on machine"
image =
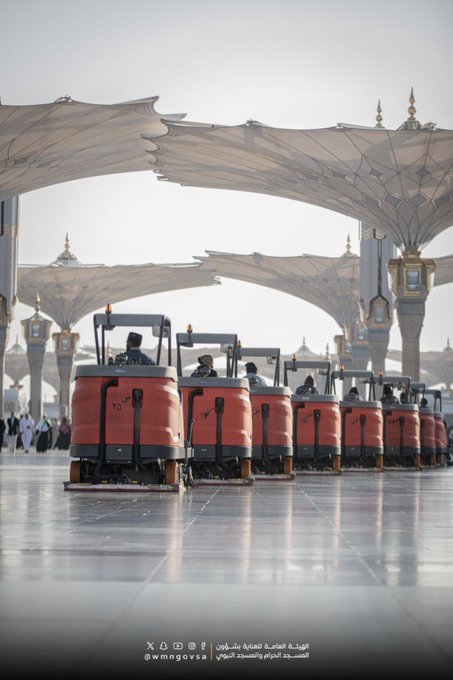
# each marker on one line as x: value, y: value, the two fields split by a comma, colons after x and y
x: 160, y: 324
x: 272, y: 353
x: 189, y: 339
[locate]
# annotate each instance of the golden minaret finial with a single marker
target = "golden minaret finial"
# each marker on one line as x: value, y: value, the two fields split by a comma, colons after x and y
x: 379, y: 118
x: 412, y: 110
x: 37, y: 303
x: 411, y: 123
x: 66, y: 256
x: 348, y: 245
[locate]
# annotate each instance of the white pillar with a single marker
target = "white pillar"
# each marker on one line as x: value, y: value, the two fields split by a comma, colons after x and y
x: 9, y: 231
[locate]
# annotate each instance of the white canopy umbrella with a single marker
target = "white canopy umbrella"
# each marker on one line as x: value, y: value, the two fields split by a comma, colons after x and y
x: 400, y: 181
x: 47, y: 144
x: 69, y: 290
x: 330, y: 283
x: 444, y: 270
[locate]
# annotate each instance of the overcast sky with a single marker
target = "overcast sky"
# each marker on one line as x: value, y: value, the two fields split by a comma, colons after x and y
x: 286, y: 63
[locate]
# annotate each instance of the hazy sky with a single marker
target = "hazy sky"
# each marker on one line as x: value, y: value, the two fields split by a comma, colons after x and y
x: 286, y: 63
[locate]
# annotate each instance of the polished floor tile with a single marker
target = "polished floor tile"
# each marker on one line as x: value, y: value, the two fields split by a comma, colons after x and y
x: 358, y: 566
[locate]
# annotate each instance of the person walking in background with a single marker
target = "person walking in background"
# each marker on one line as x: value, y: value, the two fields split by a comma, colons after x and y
x: 64, y: 434
x: 12, y: 424
x: 19, y: 444
x: 2, y: 431
x: 26, y: 429
x: 44, y: 434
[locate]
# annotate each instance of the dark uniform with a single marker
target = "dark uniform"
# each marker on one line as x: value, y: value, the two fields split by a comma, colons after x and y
x: 205, y: 367
x: 133, y: 354
x: 2, y: 431
x: 13, y: 426
x: 387, y: 396
x: 136, y: 356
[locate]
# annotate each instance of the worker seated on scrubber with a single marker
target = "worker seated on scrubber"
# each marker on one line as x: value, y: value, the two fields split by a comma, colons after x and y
x: 352, y: 395
x: 252, y: 376
x: 387, y: 395
x: 205, y: 367
x: 308, y: 387
x: 133, y: 354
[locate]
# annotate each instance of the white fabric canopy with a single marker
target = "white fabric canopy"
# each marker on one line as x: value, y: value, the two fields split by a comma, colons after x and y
x: 330, y: 283
x: 400, y: 181
x: 68, y: 293
x: 444, y: 270
x: 437, y: 367
x: 47, y: 144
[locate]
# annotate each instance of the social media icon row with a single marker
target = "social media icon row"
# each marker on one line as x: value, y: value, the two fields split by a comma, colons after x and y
x: 175, y: 645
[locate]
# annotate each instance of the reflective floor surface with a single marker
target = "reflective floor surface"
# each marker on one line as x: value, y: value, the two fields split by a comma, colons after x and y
x: 321, y: 577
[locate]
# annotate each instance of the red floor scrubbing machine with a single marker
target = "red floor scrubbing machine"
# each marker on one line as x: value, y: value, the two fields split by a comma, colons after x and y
x: 401, y: 424
x: 362, y: 445
x: 430, y: 406
x: 217, y: 415
x: 272, y: 446
x: 127, y: 420
x: 316, y: 422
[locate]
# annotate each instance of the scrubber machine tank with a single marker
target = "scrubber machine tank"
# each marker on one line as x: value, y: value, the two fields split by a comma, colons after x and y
x: 127, y: 420
x: 217, y: 415
x: 401, y: 424
x: 316, y: 422
x: 434, y: 439
x: 272, y: 446
x: 362, y: 445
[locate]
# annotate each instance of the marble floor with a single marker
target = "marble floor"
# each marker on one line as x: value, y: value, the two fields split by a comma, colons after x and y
x: 325, y: 576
